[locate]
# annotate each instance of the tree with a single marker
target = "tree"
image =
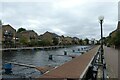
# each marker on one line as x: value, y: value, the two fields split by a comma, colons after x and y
x: 43, y: 43
x: 20, y: 30
x: 62, y: 36
x: 104, y: 39
x: 81, y: 42
x: 55, y: 41
x: 23, y: 41
x: 32, y: 43
x: 116, y: 39
x: 87, y: 41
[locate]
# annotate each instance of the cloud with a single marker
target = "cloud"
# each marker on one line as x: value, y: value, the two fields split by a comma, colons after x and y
x: 65, y: 17
x: 56, y: 30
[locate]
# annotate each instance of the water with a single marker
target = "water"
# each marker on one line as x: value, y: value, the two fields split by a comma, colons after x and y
x: 36, y: 58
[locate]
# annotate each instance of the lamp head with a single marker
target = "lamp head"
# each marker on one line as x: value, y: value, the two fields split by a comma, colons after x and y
x: 101, y: 18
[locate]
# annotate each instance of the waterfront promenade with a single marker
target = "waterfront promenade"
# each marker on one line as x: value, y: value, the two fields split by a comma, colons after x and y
x: 75, y: 68
x: 78, y: 66
x: 111, y: 58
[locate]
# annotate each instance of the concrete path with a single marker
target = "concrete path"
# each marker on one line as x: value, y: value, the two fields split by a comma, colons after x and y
x: 111, y: 58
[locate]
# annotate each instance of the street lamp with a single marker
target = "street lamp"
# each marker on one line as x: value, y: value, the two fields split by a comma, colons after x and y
x: 101, y: 18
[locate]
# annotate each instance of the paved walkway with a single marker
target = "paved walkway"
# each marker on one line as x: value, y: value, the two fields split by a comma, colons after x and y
x: 111, y: 57
x: 73, y: 69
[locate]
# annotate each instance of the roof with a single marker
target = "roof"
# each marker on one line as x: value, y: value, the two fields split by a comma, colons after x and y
x: 28, y: 31
x: 53, y: 34
x: 75, y: 38
x: 8, y: 26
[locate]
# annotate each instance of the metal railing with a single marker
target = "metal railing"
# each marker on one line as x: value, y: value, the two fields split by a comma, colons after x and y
x: 97, y: 69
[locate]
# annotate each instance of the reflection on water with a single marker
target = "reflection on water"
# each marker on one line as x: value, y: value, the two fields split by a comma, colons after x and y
x: 36, y: 58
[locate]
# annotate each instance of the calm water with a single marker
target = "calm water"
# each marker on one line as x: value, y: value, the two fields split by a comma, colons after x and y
x: 36, y: 58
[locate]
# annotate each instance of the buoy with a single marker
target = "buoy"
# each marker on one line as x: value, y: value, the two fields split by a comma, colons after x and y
x: 8, y: 68
x: 73, y: 50
x: 65, y: 52
x: 50, y: 57
x: 81, y: 48
x: 84, y: 47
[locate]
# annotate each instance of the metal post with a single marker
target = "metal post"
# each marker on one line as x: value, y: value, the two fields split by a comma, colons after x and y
x: 65, y: 52
x: 50, y: 57
x: 101, y: 21
x: 101, y: 18
x: 102, y: 51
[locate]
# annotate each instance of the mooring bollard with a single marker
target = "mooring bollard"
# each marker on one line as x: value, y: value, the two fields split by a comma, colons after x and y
x: 65, y: 52
x: 8, y: 68
x: 73, y: 50
x: 81, y: 48
x: 82, y: 52
x: 86, y: 50
x: 50, y: 57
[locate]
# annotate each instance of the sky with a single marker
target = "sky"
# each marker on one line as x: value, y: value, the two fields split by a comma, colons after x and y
x: 75, y: 18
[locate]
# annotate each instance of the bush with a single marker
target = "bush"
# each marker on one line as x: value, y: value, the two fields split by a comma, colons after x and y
x: 23, y: 41
x: 44, y: 43
x: 55, y: 41
x: 117, y: 39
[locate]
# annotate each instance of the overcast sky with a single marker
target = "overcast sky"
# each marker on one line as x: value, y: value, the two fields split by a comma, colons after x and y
x: 64, y: 17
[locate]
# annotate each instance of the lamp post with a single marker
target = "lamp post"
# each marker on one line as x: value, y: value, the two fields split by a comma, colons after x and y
x: 101, y: 18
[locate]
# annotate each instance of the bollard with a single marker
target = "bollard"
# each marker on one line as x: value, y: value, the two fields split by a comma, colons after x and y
x: 86, y: 50
x: 84, y: 47
x: 50, y: 57
x: 65, y: 52
x: 8, y: 68
x: 82, y: 52
x: 81, y: 48
x: 73, y: 50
